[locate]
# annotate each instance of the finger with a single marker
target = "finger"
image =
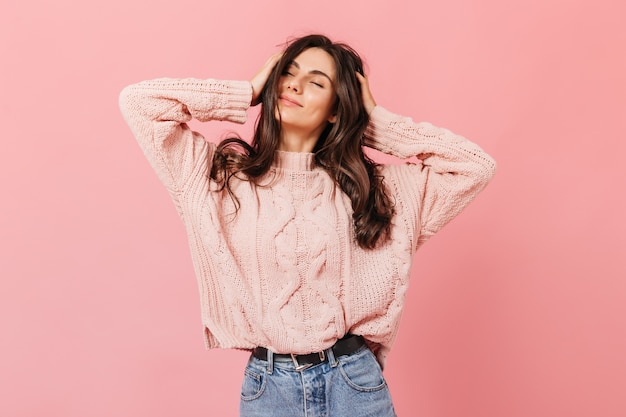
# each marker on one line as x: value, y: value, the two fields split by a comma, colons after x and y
x: 273, y: 60
x: 368, y: 99
x: 259, y: 80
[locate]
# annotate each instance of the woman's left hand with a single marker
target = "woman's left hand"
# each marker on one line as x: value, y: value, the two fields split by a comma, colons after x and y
x: 368, y: 98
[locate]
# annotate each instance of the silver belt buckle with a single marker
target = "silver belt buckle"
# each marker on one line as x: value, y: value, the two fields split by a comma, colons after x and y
x: 298, y: 366
x: 302, y: 367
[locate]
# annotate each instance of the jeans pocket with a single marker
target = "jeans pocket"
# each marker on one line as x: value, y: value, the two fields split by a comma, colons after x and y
x: 362, y: 373
x: 253, y: 384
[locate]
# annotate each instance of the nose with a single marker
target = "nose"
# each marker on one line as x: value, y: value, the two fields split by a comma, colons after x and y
x: 293, y: 84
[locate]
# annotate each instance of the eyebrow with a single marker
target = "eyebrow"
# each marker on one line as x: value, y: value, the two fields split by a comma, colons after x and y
x: 318, y: 72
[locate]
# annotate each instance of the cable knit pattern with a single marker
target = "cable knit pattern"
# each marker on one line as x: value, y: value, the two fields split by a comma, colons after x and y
x: 285, y: 271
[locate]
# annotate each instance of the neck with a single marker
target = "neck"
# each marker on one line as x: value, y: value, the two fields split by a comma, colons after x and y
x: 295, y: 141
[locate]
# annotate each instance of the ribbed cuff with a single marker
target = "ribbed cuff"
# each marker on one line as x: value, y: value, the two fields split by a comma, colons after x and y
x: 378, y: 128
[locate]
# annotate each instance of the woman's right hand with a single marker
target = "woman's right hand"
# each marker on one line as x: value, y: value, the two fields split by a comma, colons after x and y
x: 259, y: 80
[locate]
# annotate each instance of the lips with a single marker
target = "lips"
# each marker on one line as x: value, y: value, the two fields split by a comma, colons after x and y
x: 289, y: 100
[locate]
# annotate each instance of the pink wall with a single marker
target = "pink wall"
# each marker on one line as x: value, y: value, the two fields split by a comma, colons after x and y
x: 517, y: 309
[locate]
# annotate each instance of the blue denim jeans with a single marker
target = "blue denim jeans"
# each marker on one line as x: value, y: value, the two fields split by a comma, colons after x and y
x: 351, y: 385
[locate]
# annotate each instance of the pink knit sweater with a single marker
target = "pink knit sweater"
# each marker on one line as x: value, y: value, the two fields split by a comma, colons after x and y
x: 286, y: 272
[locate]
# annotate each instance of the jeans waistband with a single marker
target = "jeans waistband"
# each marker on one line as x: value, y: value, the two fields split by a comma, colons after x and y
x: 347, y: 345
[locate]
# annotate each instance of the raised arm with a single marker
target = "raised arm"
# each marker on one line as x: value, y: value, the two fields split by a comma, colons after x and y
x: 157, y: 112
x: 453, y: 170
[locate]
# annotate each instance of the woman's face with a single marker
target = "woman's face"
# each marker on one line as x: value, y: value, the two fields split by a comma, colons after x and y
x: 307, y: 94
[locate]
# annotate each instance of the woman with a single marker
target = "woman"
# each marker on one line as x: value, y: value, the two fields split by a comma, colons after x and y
x: 302, y: 246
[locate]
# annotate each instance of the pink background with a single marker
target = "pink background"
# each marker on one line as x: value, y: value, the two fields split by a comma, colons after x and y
x: 518, y: 308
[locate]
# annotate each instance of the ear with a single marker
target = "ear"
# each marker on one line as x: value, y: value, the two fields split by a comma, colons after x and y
x: 332, y: 118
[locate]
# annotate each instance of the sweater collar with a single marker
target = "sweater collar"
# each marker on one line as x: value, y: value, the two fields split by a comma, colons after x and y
x: 294, y: 161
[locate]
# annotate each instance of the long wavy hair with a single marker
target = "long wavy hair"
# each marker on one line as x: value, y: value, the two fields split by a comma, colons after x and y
x: 338, y: 149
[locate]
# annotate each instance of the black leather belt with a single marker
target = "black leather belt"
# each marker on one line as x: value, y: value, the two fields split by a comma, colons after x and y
x: 344, y: 346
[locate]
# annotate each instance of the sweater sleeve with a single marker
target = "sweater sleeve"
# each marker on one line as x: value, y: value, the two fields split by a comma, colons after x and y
x: 452, y: 172
x: 157, y: 112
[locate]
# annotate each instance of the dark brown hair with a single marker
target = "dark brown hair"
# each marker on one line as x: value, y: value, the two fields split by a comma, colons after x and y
x: 338, y: 149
